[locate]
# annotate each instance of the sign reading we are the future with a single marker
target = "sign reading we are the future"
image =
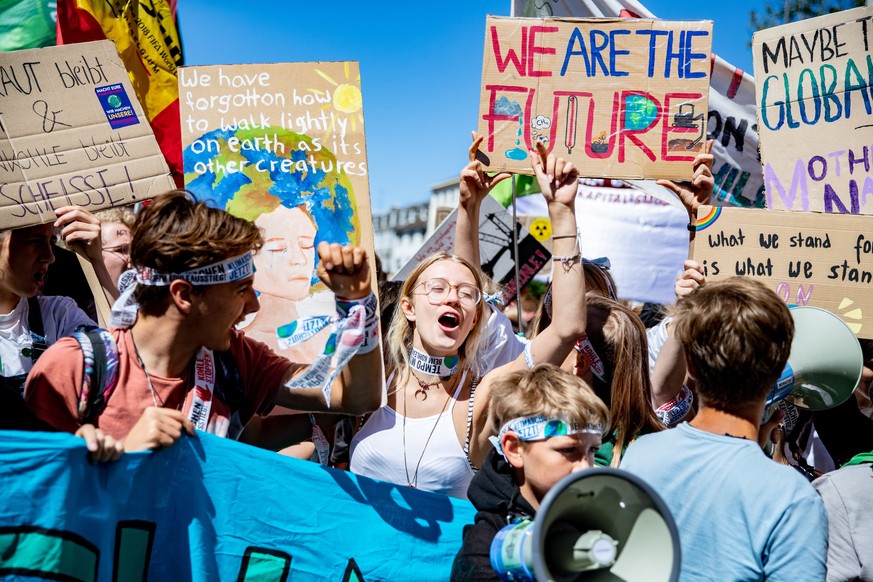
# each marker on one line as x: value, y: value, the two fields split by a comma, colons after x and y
x: 619, y: 98
x: 815, y: 112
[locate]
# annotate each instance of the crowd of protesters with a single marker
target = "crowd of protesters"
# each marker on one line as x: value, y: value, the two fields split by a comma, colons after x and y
x: 467, y: 408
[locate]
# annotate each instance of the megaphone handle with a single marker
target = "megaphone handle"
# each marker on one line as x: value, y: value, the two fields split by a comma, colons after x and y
x: 770, y: 421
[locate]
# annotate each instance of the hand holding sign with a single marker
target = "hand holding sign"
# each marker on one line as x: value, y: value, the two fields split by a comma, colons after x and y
x: 344, y: 269
x: 81, y: 231
x: 699, y: 191
x: 558, y: 179
x: 475, y: 184
x: 690, y: 280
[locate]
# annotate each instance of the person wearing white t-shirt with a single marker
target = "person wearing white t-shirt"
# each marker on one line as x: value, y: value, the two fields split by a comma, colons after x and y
x: 29, y: 324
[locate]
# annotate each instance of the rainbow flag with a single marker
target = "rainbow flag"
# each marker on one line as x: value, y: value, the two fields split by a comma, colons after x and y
x: 144, y: 31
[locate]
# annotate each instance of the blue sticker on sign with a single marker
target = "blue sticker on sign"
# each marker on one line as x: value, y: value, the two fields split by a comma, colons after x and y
x: 116, y: 105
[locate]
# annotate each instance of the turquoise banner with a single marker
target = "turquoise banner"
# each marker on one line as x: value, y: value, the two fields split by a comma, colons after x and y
x: 212, y: 509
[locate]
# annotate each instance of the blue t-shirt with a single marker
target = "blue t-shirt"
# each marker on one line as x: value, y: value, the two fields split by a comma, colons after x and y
x: 740, y: 515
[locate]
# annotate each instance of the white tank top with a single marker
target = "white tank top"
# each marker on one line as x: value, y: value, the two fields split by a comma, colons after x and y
x: 377, y: 450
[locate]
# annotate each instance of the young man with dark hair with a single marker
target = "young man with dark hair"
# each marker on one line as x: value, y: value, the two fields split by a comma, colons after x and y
x: 740, y: 515
x: 181, y: 362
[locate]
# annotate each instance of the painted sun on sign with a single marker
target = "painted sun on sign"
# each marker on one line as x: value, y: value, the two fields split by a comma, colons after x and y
x: 347, y: 98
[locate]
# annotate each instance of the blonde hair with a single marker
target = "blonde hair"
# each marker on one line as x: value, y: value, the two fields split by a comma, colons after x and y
x: 545, y: 390
x: 120, y: 214
x: 401, y: 332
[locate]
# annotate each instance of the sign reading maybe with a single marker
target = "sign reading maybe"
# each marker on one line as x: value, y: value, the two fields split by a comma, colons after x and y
x: 496, y: 251
x: 72, y: 133
x: 619, y: 98
x: 814, y: 112
x: 816, y: 259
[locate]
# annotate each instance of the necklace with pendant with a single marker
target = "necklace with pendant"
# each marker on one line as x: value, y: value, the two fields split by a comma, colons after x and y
x: 423, y: 387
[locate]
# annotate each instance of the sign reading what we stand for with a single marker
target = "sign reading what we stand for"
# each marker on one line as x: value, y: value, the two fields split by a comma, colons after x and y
x: 807, y: 258
x: 814, y: 83
x: 619, y: 98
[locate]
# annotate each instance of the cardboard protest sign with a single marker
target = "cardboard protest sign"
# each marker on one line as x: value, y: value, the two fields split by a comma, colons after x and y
x: 72, y: 132
x: 811, y: 258
x: 282, y: 145
x: 815, y: 114
x: 619, y: 98
x: 495, y: 248
x: 732, y: 115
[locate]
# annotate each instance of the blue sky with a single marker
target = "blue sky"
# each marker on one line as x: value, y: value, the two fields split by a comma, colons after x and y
x: 421, y: 67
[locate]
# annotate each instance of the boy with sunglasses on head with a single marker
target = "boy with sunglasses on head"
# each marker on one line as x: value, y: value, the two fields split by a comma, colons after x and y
x: 550, y: 426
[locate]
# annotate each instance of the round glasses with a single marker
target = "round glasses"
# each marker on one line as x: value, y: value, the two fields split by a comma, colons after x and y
x: 437, y: 291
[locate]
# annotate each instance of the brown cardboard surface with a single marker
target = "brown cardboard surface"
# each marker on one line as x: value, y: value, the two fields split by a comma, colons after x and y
x: 808, y: 258
x: 266, y: 107
x: 58, y: 145
x: 282, y: 145
x: 815, y: 112
x: 620, y: 98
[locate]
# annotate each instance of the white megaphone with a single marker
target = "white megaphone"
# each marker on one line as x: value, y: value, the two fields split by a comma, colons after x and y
x: 599, y: 524
x: 824, y: 366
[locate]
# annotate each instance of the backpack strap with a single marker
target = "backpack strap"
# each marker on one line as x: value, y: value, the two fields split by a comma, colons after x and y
x: 100, y: 374
x: 37, y: 329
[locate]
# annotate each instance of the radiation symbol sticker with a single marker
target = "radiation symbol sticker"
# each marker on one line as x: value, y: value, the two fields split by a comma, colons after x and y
x: 541, y: 229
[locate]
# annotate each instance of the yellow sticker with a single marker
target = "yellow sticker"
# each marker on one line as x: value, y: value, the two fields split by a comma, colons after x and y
x: 541, y: 228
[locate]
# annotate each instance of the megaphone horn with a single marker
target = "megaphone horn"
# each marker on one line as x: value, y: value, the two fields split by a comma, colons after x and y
x: 599, y: 524
x: 825, y: 364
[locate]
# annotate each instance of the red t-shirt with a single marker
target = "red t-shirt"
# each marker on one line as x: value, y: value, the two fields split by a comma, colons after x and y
x: 54, y: 386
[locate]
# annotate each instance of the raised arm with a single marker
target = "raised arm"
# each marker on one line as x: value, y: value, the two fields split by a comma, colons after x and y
x: 669, y: 371
x: 81, y: 231
x: 475, y: 185
x: 358, y: 388
x: 559, y: 182
x: 696, y: 193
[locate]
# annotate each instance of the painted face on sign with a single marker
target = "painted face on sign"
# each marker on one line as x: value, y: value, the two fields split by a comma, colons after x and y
x: 287, y: 260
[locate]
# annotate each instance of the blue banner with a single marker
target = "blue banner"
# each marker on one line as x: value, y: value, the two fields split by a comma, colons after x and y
x: 212, y: 509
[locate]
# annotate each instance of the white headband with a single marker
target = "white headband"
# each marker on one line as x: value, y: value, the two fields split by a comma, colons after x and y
x: 125, y: 308
x: 539, y: 427
x: 226, y: 271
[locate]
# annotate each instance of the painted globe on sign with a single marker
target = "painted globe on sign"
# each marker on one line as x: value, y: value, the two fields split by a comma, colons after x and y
x: 249, y: 172
x: 640, y: 112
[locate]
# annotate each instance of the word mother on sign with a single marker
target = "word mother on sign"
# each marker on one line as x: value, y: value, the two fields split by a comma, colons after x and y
x: 810, y: 258
x: 618, y: 98
x: 815, y: 112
